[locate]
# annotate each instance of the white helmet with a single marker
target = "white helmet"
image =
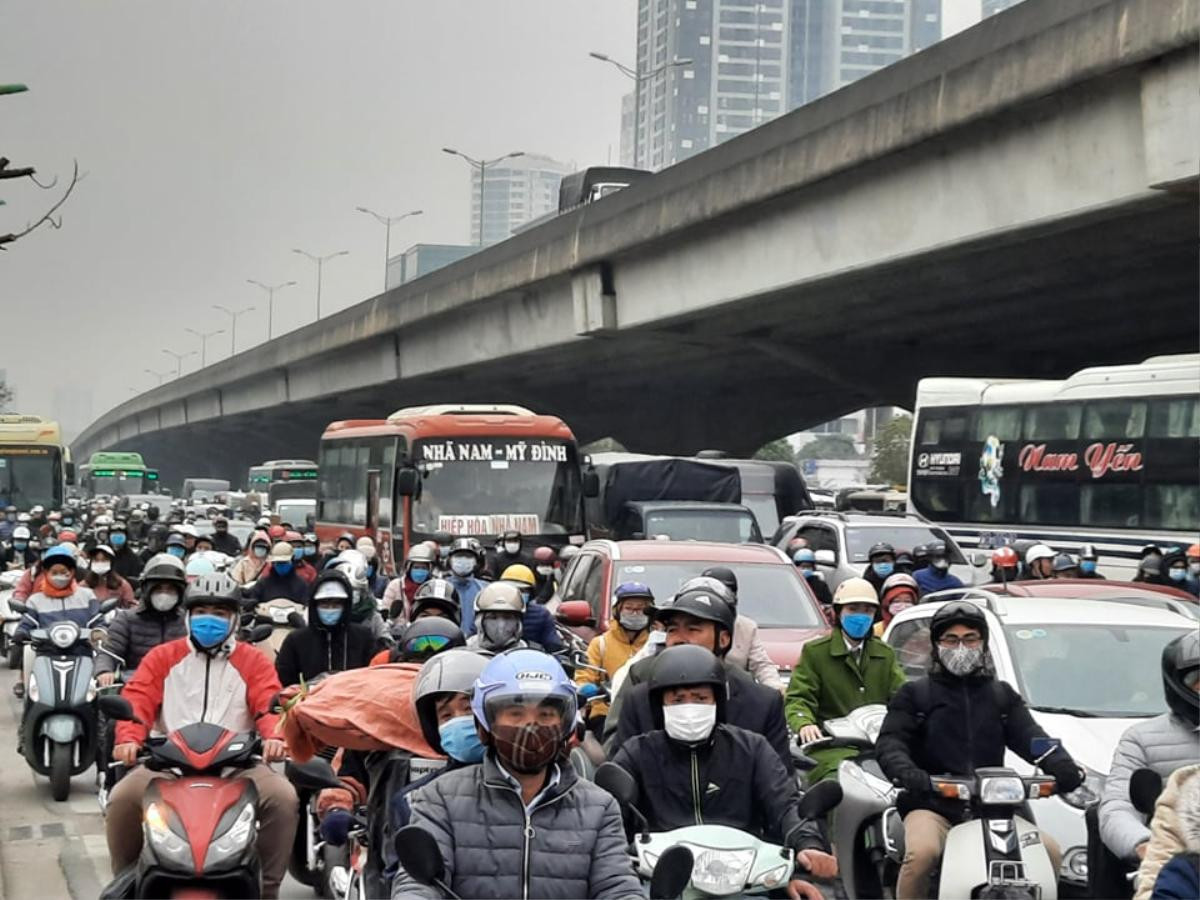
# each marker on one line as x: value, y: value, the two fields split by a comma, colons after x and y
x: 21, y: 533
x: 354, y: 566
x: 1036, y: 552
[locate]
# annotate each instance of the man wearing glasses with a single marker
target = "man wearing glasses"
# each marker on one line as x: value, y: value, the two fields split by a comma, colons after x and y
x: 957, y: 719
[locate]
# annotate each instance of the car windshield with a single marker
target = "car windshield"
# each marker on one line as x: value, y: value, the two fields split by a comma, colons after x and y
x: 860, y: 540
x: 771, y: 595
x: 1094, y: 670
x: 727, y: 526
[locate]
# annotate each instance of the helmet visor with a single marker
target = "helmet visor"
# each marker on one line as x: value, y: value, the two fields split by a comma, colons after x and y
x: 426, y: 645
x: 530, y: 708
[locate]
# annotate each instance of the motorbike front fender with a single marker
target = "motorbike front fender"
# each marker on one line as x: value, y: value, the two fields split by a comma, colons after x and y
x: 965, y: 859
x: 61, y: 728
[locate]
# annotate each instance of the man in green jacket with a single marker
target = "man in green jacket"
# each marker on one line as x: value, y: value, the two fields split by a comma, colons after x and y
x: 839, y: 673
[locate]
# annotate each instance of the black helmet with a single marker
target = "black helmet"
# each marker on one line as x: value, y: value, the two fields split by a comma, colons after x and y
x: 440, y: 593
x: 452, y: 672
x: 724, y: 575
x: 163, y: 567
x: 702, y: 602
x: 904, y: 562
x: 708, y: 582
x: 1181, y: 664
x: 920, y: 554
x: 957, y: 612
x: 427, y: 637
x: 686, y: 664
x: 467, y: 545
x: 883, y: 548
x: 935, y: 548
x: 217, y: 588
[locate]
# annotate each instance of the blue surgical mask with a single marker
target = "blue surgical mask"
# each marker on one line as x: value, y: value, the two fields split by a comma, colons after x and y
x: 370, y: 571
x: 20, y: 545
x: 283, y: 568
x: 460, y: 740
x: 462, y: 566
x: 1177, y: 574
x: 260, y: 552
x: 298, y: 554
x: 209, y: 630
x: 856, y: 625
x: 1087, y: 566
x: 117, y: 540
x: 310, y: 550
x: 418, y: 576
x: 67, y: 520
x: 329, y: 617
x: 808, y: 573
x: 177, y: 551
x: 883, y: 569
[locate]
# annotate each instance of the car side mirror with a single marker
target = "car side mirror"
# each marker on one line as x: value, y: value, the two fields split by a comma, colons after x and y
x: 591, y: 484
x: 408, y: 481
x: 825, y: 557
x: 1144, y: 787
x: 978, y: 558
x: 574, y: 613
x: 69, y: 472
x: 420, y: 855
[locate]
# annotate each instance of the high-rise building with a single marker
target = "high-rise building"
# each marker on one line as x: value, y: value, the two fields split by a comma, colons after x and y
x: 514, y: 192
x: 11, y: 404
x: 421, y: 259
x: 991, y: 7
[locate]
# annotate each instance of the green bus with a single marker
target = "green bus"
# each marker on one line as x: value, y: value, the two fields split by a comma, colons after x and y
x: 115, y: 473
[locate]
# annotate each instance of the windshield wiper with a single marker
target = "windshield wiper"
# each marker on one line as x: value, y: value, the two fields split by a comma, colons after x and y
x: 1067, y: 711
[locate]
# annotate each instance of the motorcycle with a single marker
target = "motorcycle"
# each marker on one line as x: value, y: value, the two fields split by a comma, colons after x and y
x: 9, y: 649
x: 200, y: 808
x: 312, y: 860
x: 1108, y: 875
x: 282, y: 614
x: 59, y: 730
x: 724, y: 860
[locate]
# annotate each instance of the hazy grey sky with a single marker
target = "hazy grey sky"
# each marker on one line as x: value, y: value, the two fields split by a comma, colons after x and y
x: 218, y: 135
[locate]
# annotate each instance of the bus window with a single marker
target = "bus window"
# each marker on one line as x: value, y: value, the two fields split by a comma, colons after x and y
x: 1003, y: 422
x: 1050, y: 504
x: 943, y: 426
x: 980, y: 508
x: 938, y: 498
x: 1111, y: 505
x: 358, y: 481
x: 1052, y: 422
x: 1109, y: 420
x: 1174, y: 507
x: 387, y: 471
x: 1178, y: 418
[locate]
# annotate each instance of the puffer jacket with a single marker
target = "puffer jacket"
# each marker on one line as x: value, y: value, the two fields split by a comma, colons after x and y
x: 1174, y: 829
x: 135, y: 632
x: 608, y: 651
x: 1164, y: 744
x: 570, y: 844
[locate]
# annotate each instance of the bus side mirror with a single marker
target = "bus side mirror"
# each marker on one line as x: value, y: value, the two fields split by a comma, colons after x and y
x: 408, y: 482
x: 70, y: 472
x: 591, y: 484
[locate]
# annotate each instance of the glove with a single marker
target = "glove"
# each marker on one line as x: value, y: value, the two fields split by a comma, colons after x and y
x: 916, y: 783
x: 588, y: 691
x: 335, y: 827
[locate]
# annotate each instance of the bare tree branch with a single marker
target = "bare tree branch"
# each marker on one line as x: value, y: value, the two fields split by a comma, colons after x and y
x: 6, y: 172
x: 48, y: 217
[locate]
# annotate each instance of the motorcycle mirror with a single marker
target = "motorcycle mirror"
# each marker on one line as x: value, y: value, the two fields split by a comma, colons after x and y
x: 312, y: 775
x: 116, y: 707
x: 18, y: 606
x: 1144, y: 787
x: 672, y: 873
x: 618, y: 782
x: 421, y: 857
x: 820, y: 799
x: 259, y: 633
x: 109, y: 605
x: 1041, y: 747
x: 295, y: 620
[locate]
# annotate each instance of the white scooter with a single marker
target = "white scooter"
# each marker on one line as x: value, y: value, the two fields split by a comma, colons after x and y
x: 11, y: 652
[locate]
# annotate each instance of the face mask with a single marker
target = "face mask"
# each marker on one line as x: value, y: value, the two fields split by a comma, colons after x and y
x: 329, y: 617
x: 1177, y: 574
x: 856, y: 625
x: 164, y: 601
x: 690, y: 723
x: 656, y: 641
x: 370, y: 571
x: 298, y: 554
x: 500, y: 631
x: 260, y: 552
x: 310, y: 551
x: 20, y: 545
x: 883, y: 569
x: 898, y: 606
x: 117, y: 540
x: 1194, y: 568
x: 462, y: 566
x: 512, y: 548
x: 60, y: 581
x: 1087, y: 566
x: 418, y: 576
x: 101, y: 568
x: 527, y: 749
x: 634, y: 621
x: 209, y: 630
x: 961, y: 661
x: 941, y: 564
x: 283, y: 568
x: 545, y: 571
x: 808, y: 573
x: 67, y: 520
x: 176, y: 551
x: 460, y: 740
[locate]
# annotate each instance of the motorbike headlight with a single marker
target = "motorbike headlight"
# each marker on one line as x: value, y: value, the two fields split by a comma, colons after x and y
x: 721, y: 872
x: 1002, y: 791
x: 166, y: 843
x: 234, y: 840
x: 64, y: 634
x: 776, y: 876
x: 1087, y: 793
x: 32, y: 691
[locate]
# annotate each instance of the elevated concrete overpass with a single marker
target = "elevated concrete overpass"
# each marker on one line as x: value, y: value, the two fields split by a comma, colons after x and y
x: 1019, y: 200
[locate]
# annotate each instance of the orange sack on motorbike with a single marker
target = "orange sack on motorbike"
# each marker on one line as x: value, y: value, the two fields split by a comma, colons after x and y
x: 361, y: 709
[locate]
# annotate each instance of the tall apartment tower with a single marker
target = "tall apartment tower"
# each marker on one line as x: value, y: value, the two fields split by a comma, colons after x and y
x: 515, y: 191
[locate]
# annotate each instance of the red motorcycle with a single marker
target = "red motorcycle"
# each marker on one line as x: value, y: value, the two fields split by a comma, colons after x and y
x: 199, y: 826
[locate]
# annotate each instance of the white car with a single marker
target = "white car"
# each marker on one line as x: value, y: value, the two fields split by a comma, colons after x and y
x: 1088, y: 668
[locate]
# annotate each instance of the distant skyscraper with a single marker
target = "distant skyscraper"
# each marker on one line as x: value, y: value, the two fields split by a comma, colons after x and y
x: 514, y: 192
x: 627, y: 132
x: 11, y: 405
x: 991, y: 7
x: 421, y: 259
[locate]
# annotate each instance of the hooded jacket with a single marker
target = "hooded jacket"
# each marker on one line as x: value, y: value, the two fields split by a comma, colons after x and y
x: 135, y: 632
x: 1175, y: 829
x: 309, y: 651
x: 249, y: 567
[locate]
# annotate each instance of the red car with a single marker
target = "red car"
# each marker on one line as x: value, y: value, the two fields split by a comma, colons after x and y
x: 770, y: 591
x: 1101, y: 589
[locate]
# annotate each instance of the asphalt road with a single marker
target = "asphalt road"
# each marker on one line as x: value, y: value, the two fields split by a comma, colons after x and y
x: 50, y: 849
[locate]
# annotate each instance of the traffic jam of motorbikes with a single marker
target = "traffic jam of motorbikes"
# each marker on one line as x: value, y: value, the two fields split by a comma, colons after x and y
x: 437, y: 674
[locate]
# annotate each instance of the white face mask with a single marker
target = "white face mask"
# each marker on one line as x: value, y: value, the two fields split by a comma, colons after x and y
x: 512, y: 548
x: 60, y: 581
x: 164, y: 600
x: 690, y: 723
x: 101, y: 567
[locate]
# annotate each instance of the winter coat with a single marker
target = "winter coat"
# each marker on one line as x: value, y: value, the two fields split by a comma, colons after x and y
x: 468, y: 589
x: 1164, y: 744
x: 943, y: 724
x: 273, y: 586
x: 135, y: 632
x: 1174, y: 829
x: 750, y: 706
x: 104, y: 589
x: 398, y: 597
x: 570, y: 844
x: 1179, y: 879
x: 249, y: 567
x: 930, y: 580
x: 609, y: 651
x: 80, y: 606
x: 309, y: 651
x: 749, y: 652
x: 538, y: 626
x: 224, y: 542
x: 127, y: 564
x: 733, y: 779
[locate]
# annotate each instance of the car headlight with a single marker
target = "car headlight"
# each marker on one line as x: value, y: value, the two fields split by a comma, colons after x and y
x: 1002, y: 791
x: 166, y: 843
x: 230, y: 844
x: 64, y: 634
x: 721, y: 872
x: 1087, y: 793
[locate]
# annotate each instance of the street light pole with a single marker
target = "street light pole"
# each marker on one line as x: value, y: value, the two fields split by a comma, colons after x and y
x: 320, y: 261
x: 179, y: 358
x: 482, y: 165
x: 270, y: 289
x: 389, y: 221
x: 204, y: 336
x: 639, y: 78
x: 158, y: 375
x: 233, y: 317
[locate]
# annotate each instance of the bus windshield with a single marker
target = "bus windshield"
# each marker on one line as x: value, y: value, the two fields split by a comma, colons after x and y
x: 485, y: 486
x: 115, y: 482
x: 29, y: 476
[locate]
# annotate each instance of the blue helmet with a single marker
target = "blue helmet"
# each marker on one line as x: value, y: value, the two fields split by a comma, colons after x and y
x: 523, y: 676
x: 804, y: 555
x: 628, y: 589
x: 59, y: 553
